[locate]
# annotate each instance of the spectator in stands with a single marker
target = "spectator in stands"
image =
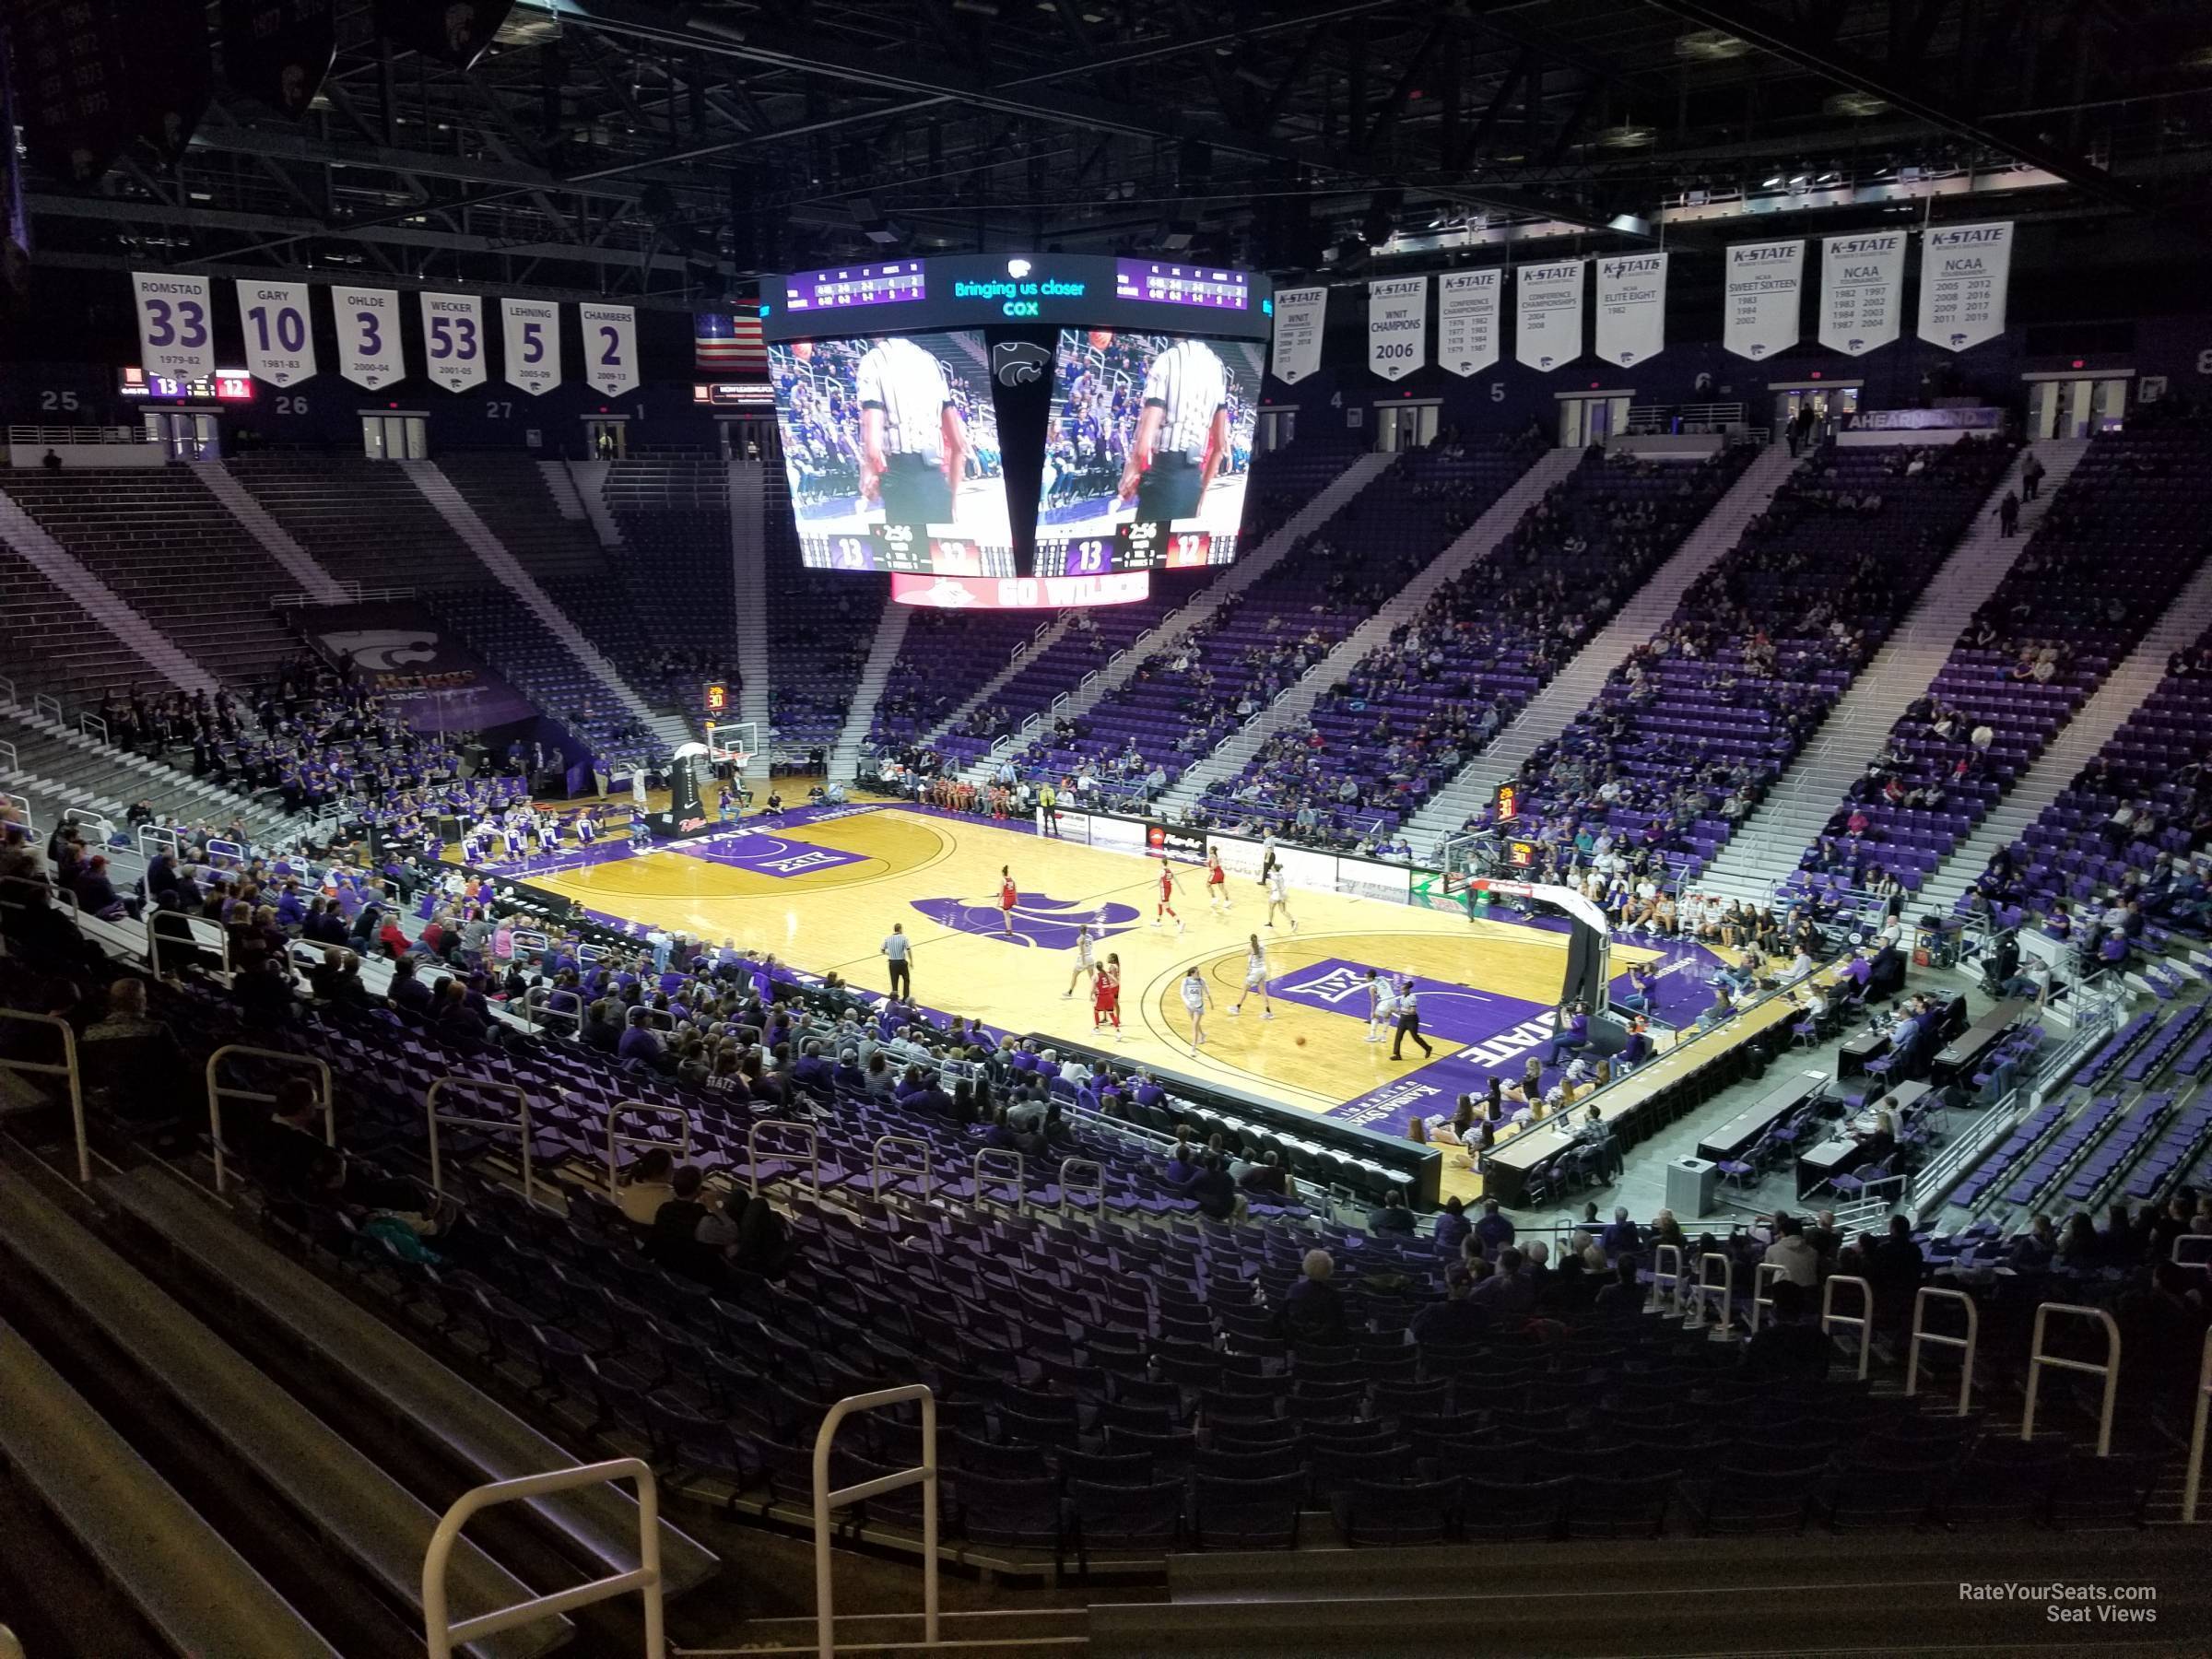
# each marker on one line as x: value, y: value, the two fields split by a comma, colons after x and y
x: 1457, y: 1318
x: 1495, y: 1231
x: 1391, y: 1217
x: 1312, y: 1308
x: 1211, y: 1189
x: 645, y: 1186
x: 1623, y: 1236
x: 1623, y: 1296
x: 1453, y: 1228
x: 1794, y: 1252
x: 673, y: 1241
x: 1788, y: 1346
x: 641, y: 1044
x: 131, y: 1064
x: 1508, y: 1294
x: 1894, y: 1268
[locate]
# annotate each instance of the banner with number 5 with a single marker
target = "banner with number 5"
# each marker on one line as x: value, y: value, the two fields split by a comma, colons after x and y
x: 176, y: 336
x: 610, y: 348
x: 532, y: 335
x: 369, y: 352
x: 452, y: 339
x: 281, y: 343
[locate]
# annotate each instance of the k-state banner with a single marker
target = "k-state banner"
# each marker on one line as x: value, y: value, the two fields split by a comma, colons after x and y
x: 1466, y: 320
x: 610, y: 348
x: 1964, y: 272
x: 280, y: 339
x: 452, y: 339
x: 1548, y: 315
x: 1298, y: 317
x: 176, y: 335
x: 1765, y: 280
x: 1397, y: 325
x: 368, y: 319
x: 1631, y: 307
x: 1862, y: 285
x: 533, y: 330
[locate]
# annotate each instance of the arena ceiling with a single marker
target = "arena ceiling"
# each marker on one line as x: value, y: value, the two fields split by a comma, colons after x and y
x: 670, y: 152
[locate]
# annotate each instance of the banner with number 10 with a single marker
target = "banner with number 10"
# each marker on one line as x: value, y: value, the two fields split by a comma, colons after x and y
x: 280, y: 339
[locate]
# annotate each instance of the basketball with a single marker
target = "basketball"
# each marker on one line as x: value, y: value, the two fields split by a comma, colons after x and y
x: 1301, y: 1040
x: 1100, y: 338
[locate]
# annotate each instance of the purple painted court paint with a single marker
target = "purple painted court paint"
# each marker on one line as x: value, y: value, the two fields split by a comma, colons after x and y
x: 765, y: 854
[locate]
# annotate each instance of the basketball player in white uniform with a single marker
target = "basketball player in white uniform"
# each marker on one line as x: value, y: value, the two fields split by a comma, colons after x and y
x: 1255, y: 979
x: 1197, y: 999
x: 1181, y: 436
x: 1382, y: 1005
x: 1086, y: 959
x: 913, y: 445
x: 1278, y: 898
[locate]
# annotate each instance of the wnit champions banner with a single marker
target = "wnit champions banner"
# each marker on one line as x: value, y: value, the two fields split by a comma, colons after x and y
x: 1397, y: 325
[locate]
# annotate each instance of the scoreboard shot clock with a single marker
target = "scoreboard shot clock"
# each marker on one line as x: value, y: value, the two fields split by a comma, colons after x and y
x: 714, y: 701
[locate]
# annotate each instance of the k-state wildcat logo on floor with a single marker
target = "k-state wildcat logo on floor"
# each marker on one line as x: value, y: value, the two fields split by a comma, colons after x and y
x: 1046, y: 923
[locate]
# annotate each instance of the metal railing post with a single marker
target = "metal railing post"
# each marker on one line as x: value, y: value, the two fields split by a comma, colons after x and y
x: 878, y: 1169
x: 1760, y: 1279
x: 752, y: 1152
x: 520, y: 1124
x: 1864, y: 1319
x: 156, y: 937
x: 440, y: 1635
x: 1726, y: 1285
x: 1094, y: 1186
x: 1922, y: 1334
x: 1670, y: 1277
x: 644, y: 1109
x: 1001, y: 1153
x: 2193, y: 1482
x: 2109, y: 1371
x: 66, y: 1070
x: 217, y: 1094
x: 925, y: 1474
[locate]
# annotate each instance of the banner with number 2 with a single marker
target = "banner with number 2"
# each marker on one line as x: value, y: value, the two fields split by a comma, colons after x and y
x: 610, y: 348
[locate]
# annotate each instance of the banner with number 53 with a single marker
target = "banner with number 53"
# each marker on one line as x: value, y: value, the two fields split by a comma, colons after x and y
x: 280, y: 341
x: 452, y: 339
x: 610, y: 348
x: 368, y: 319
x: 176, y: 336
x: 533, y: 336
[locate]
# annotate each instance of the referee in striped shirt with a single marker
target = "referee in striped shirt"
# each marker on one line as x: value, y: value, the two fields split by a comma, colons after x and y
x: 1182, y: 435
x: 913, y: 445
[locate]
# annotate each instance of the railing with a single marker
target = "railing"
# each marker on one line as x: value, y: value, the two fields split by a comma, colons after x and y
x: 2109, y: 1371
x: 752, y: 1152
x: 440, y: 1635
x: 51, y: 435
x: 46, y: 703
x: 519, y: 1124
x: 1964, y: 1344
x: 65, y: 1069
x: 1863, y: 1320
x: 878, y: 1169
x: 1095, y: 1185
x: 1706, y: 1286
x: 93, y: 726
x: 156, y: 937
x: 999, y: 1154
x: 2192, y: 1481
x: 1762, y: 1274
x: 1940, y: 1173
x: 217, y: 1094
x: 924, y: 1474
x: 1669, y: 1276
x: 645, y: 1109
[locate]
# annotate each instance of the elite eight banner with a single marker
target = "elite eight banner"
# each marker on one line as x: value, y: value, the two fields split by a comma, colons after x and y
x: 1862, y: 281
x: 1765, y: 281
x: 1631, y: 307
x: 1964, y: 273
x: 1397, y: 325
x: 1547, y: 322
x: 1298, y: 317
x: 1466, y: 320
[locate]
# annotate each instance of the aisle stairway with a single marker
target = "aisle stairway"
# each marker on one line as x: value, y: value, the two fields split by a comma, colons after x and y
x: 1553, y: 709
x: 61, y: 767
x: 749, y: 573
x: 277, y: 542
x: 1471, y: 544
x: 2123, y: 692
x: 890, y: 633
x: 1767, y: 847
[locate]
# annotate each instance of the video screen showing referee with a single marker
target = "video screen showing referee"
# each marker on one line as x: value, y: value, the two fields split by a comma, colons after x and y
x: 894, y: 430
x: 1148, y: 429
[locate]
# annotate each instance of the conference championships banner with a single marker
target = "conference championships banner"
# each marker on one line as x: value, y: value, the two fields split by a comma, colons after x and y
x: 1547, y: 319
x: 1466, y: 320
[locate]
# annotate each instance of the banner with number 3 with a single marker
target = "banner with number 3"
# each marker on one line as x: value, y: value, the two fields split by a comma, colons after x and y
x: 452, y: 339
x: 176, y: 336
x: 280, y: 343
x: 369, y: 353
x: 610, y: 348
x: 532, y: 335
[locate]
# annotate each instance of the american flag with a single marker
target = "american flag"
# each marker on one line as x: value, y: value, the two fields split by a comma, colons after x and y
x: 722, y: 343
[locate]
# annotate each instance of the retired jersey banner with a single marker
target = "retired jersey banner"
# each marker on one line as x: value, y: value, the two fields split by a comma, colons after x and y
x: 281, y: 337
x: 1862, y: 285
x: 452, y: 339
x: 1466, y: 320
x: 1964, y: 272
x: 1765, y: 280
x: 1300, y: 314
x: 369, y: 353
x: 1397, y: 325
x: 1548, y: 315
x: 1631, y: 307
x: 533, y: 332
x: 610, y: 348
x: 176, y: 332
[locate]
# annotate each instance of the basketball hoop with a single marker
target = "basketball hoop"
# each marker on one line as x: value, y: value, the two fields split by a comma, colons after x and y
x: 732, y: 746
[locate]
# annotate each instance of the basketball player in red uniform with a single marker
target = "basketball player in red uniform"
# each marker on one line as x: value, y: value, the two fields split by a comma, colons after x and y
x: 1216, y: 882
x: 1106, y: 996
x: 1005, y: 899
x: 1166, y: 907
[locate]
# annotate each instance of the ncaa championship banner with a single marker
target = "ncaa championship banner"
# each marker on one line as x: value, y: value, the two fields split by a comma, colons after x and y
x: 1765, y: 280
x: 1964, y: 273
x: 1631, y: 307
x: 1466, y: 320
x: 1299, y: 316
x: 280, y: 345
x: 176, y: 335
x: 610, y: 348
x: 1548, y: 315
x: 1397, y: 325
x: 1862, y: 284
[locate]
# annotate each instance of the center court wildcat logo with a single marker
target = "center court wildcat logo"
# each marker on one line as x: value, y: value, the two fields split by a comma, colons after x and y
x: 1018, y: 362
x: 1046, y: 923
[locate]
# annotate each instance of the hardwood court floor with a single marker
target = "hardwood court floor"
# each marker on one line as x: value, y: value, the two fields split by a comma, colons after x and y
x: 939, y: 876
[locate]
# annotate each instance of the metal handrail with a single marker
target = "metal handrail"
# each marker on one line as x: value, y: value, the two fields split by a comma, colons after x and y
x: 156, y: 937
x: 1922, y: 1334
x: 217, y: 1094
x: 66, y: 1069
x: 1671, y: 1278
x: 1864, y: 1319
x: 2193, y: 1482
x: 877, y: 1169
x: 1726, y: 1285
x: 1021, y: 1196
x: 1094, y: 1186
x: 519, y: 1124
x: 924, y: 1474
x: 752, y: 1152
x: 644, y: 1109
x: 440, y: 1635
x: 2109, y: 1371
x: 1759, y: 1281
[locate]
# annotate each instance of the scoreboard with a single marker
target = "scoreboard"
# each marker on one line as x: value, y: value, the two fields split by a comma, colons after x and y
x: 1208, y: 286
x: 847, y: 286
x: 1143, y: 545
